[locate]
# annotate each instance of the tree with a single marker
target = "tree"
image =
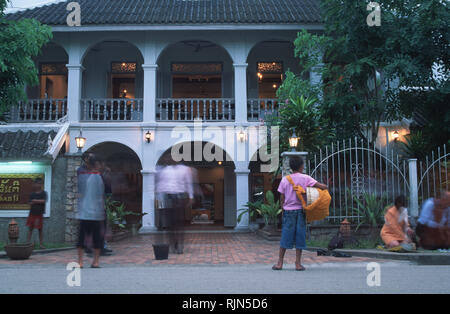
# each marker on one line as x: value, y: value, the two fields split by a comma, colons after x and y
x: 366, y: 70
x: 20, y: 41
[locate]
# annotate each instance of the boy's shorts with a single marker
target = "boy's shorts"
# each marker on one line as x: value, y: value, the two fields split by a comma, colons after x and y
x: 35, y: 221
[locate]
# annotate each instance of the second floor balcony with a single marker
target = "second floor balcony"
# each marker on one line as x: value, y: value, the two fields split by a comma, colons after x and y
x: 113, y: 84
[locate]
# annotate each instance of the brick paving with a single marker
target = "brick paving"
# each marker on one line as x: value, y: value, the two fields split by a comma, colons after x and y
x: 200, y: 248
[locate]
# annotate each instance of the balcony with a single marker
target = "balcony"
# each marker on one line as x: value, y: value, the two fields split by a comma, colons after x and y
x: 111, y: 109
x: 38, y: 110
x: 131, y: 110
x: 261, y: 109
x: 190, y: 109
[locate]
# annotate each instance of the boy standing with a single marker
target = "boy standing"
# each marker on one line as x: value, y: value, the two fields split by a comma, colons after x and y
x: 36, y: 217
x: 293, y: 231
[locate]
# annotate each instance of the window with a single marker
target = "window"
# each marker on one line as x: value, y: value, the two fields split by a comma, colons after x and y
x: 270, y: 77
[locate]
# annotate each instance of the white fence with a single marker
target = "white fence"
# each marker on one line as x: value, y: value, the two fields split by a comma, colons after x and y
x: 356, y: 171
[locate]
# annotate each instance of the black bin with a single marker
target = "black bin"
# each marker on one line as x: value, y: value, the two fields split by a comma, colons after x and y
x: 161, y: 251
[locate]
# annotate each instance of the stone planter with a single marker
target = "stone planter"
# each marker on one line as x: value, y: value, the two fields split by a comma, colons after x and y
x: 120, y: 235
x: 19, y: 251
x: 270, y: 233
x: 320, y: 232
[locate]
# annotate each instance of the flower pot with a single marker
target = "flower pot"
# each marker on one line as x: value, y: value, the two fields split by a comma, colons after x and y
x: 19, y: 251
x: 161, y: 251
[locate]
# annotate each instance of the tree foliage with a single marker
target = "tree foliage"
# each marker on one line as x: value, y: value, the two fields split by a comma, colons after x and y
x: 366, y: 71
x: 20, y: 41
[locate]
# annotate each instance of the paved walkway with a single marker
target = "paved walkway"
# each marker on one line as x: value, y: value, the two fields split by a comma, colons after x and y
x: 200, y: 248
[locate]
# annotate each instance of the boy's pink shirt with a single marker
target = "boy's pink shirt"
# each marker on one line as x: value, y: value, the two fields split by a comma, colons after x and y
x: 291, y: 201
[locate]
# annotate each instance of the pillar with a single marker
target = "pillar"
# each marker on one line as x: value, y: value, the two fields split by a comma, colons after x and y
x: 149, y: 92
x: 413, y: 189
x: 74, y: 91
x: 242, y: 189
x: 148, y: 201
x: 240, y: 92
x: 286, y: 170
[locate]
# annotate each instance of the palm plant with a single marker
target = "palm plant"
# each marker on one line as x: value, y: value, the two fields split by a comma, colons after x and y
x: 370, y: 208
x: 269, y: 210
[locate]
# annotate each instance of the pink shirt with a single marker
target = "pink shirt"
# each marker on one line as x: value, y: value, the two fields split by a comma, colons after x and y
x: 291, y: 201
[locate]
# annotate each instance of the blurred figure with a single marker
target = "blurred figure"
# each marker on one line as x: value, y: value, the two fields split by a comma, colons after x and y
x: 174, y: 186
x: 105, y: 173
x: 396, y: 230
x: 91, y: 209
x: 433, y: 227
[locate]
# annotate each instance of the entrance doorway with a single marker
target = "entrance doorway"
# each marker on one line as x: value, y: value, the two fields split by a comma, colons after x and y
x: 125, y: 178
x: 214, y: 203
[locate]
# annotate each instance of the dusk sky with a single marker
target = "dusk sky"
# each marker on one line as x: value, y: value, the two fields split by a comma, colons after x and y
x: 25, y: 4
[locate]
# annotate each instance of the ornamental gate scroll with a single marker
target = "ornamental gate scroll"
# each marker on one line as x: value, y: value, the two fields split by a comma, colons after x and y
x: 354, y: 170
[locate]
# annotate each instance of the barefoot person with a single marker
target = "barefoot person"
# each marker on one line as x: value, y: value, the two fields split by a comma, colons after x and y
x: 91, y: 210
x: 36, y: 217
x: 294, y: 220
x: 396, y: 229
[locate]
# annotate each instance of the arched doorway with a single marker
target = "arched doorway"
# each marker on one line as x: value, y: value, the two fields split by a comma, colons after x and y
x: 125, y: 176
x: 214, y: 203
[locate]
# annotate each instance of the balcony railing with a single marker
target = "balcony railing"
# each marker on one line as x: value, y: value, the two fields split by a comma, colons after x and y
x: 38, y: 110
x: 260, y: 108
x: 111, y: 109
x: 190, y: 109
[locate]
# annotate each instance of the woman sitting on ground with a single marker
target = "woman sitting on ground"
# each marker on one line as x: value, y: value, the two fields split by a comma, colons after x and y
x: 396, y: 229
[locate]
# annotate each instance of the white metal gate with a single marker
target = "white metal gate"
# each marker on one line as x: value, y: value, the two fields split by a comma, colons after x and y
x: 353, y: 169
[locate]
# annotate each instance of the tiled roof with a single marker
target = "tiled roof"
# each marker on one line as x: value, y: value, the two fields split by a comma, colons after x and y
x: 24, y: 145
x: 161, y: 12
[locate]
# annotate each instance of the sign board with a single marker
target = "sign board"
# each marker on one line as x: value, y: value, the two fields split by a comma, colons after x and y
x: 15, y: 190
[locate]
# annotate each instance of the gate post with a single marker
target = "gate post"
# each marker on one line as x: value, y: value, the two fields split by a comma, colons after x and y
x: 285, y: 169
x: 413, y: 189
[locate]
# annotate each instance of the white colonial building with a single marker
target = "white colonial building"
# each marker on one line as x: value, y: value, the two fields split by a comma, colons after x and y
x: 175, y: 71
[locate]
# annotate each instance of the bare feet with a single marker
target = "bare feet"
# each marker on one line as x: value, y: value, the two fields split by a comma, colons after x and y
x: 278, y: 266
x: 299, y: 267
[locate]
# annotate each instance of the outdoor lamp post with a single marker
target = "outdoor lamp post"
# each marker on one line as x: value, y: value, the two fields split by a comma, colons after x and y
x: 293, y: 141
x: 80, y: 141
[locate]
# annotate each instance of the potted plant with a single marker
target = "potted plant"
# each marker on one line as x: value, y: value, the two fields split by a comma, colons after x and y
x: 115, y: 215
x: 269, y: 211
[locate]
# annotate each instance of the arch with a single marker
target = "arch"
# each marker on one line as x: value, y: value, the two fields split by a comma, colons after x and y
x: 227, y: 160
x: 90, y: 46
x: 174, y: 42
x: 99, y: 81
x: 121, y: 172
x: 97, y: 146
x: 267, y: 40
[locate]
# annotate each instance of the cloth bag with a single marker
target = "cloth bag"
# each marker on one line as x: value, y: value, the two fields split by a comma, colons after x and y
x: 318, y: 202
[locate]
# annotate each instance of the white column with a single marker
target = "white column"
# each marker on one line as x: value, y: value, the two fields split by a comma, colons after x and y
x: 240, y: 91
x: 148, y: 201
x: 413, y: 189
x: 242, y: 197
x: 150, y: 92
x: 74, y: 91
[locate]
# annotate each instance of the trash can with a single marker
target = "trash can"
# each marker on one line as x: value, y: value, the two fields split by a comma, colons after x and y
x: 161, y: 251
